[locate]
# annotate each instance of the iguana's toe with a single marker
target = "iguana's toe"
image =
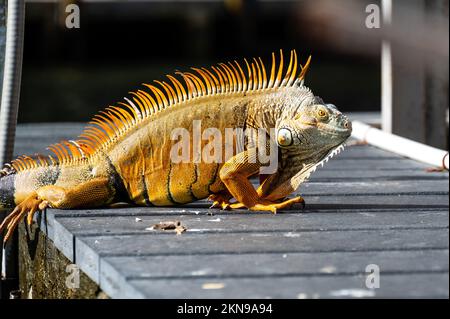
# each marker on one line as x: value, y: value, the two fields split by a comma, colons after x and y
x: 220, y: 201
x: 265, y: 205
x: 27, y: 209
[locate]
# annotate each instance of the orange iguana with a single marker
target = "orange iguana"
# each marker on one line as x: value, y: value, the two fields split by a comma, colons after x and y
x: 125, y: 155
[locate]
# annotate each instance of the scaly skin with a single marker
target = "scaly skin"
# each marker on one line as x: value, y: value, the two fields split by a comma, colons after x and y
x: 127, y: 155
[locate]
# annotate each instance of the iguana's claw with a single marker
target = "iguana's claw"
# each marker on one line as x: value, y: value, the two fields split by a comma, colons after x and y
x: 220, y: 201
x: 27, y: 209
x: 222, y: 205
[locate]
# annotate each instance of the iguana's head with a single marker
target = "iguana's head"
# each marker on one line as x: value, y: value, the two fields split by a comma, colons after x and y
x: 313, y: 129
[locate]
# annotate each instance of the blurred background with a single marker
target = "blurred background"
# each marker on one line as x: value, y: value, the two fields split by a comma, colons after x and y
x: 70, y: 74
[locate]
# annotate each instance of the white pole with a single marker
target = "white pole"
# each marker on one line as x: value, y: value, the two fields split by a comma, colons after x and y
x: 400, y: 145
x: 386, y: 71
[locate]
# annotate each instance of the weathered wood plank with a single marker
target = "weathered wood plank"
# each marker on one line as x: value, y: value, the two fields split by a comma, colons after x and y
x: 90, y: 249
x: 374, y: 164
x: 391, y: 286
x: 373, y: 201
x: 275, y: 264
x: 374, y: 187
x: 117, y: 271
x: 169, y: 243
x: 365, y: 152
x: 250, y: 222
x: 170, y: 212
x: 377, y: 175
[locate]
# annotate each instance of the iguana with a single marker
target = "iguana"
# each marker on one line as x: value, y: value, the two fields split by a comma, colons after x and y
x: 124, y: 154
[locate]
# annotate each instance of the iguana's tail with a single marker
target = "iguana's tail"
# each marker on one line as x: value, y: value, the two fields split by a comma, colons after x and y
x: 15, y: 186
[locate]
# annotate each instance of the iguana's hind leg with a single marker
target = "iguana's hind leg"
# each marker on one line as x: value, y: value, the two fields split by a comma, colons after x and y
x: 93, y: 193
x: 235, y: 173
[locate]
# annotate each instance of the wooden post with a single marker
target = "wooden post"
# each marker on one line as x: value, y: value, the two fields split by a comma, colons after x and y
x: 437, y: 100
x: 414, y: 84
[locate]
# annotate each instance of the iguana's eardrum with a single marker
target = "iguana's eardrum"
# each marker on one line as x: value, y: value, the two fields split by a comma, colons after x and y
x: 126, y: 154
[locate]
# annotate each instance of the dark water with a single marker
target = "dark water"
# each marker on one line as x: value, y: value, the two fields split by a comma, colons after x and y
x: 70, y: 74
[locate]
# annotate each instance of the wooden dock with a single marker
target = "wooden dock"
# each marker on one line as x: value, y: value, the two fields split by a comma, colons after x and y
x: 364, y: 207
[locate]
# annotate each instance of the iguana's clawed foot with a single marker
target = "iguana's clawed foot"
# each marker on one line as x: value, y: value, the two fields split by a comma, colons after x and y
x: 27, y: 209
x: 220, y: 201
x: 223, y: 202
x: 265, y: 205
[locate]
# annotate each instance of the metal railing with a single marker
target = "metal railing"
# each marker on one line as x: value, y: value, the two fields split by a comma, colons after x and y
x: 8, y: 119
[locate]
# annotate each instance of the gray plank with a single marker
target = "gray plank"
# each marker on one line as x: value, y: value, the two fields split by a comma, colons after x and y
x: 374, y: 187
x: 173, y: 212
x: 391, y: 286
x: 357, y: 240
x: 89, y: 249
x: 371, y: 187
x: 117, y: 271
x: 365, y: 152
x: 275, y: 264
x: 374, y: 164
x: 368, y: 201
x: 377, y: 175
x: 108, y: 224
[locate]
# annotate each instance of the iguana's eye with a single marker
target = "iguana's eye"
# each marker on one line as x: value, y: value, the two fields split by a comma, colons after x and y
x: 321, y: 113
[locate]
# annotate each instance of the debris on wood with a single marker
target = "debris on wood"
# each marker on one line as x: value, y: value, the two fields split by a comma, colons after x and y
x: 138, y: 220
x: 180, y: 229
x: 169, y: 225
x: 213, y: 285
x: 210, y: 213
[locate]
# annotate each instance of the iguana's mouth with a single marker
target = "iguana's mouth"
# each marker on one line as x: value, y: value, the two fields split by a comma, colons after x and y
x: 335, y: 131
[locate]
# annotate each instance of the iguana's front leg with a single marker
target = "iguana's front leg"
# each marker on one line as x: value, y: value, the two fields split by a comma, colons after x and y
x: 221, y: 200
x: 96, y: 192
x: 235, y: 173
x: 285, y: 181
